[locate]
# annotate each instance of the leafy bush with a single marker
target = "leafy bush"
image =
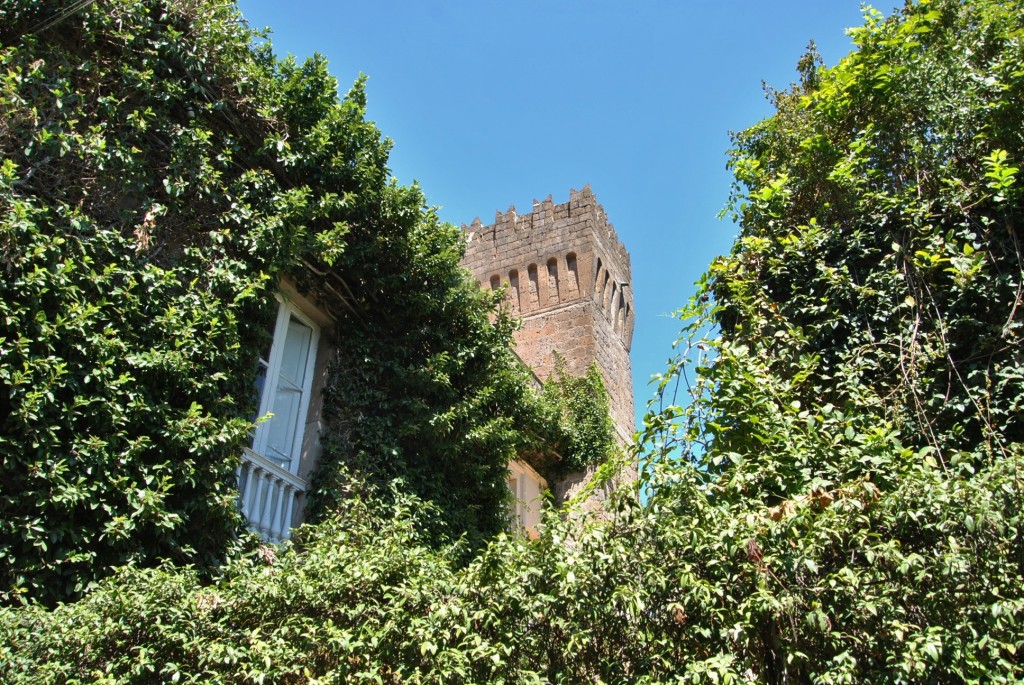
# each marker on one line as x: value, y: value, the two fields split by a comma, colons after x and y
x: 920, y: 582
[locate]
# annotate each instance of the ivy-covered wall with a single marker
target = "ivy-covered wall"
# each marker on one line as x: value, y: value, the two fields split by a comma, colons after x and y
x: 161, y: 171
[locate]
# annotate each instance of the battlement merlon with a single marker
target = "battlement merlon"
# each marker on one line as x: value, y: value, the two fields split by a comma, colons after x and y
x: 604, y: 230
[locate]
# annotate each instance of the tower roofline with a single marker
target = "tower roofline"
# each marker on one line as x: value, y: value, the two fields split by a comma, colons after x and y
x: 543, y: 214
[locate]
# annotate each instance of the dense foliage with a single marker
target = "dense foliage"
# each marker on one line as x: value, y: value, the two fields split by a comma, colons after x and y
x: 160, y: 172
x: 856, y: 436
x: 580, y: 429
x: 136, y: 246
x: 363, y: 599
x: 880, y: 214
x: 816, y: 513
x: 424, y: 385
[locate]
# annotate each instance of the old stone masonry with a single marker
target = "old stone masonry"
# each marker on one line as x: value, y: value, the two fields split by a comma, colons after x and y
x: 568, y: 277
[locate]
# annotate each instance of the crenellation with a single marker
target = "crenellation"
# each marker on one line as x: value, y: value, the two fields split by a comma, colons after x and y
x: 575, y: 297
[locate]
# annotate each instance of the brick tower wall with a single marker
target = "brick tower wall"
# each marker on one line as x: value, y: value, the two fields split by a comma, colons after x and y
x: 569, y: 278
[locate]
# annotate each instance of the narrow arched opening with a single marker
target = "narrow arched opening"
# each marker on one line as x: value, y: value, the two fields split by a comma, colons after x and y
x: 513, y: 290
x: 554, y: 296
x: 572, y: 276
x: 532, y: 287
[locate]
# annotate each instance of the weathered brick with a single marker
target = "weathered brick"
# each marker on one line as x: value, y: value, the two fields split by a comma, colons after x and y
x: 585, y: 314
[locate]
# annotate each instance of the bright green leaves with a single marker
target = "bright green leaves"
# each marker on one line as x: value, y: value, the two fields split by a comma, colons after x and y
x: 860, y: 416
x: 577, y: 407
x: 95, y: 366
x: 138, y: 238
x: 771, y: 197
x: 910, y: 140
x: 1001, y: 175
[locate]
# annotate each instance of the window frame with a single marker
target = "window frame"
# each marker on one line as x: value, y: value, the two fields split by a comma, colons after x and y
x: 285, y: 311
x: 523, y: 512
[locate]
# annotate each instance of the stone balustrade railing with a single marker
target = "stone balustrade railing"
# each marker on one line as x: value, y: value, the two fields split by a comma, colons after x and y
x: 268, y: 495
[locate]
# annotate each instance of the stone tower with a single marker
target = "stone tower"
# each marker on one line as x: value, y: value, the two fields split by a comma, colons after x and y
x: 568, y: 277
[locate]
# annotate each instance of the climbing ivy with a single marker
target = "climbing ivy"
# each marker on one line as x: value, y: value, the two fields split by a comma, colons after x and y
x: 138, y: 239
x: 581, y: 429
x: 161, y: 171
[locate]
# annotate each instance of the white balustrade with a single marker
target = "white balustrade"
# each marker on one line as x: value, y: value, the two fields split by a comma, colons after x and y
x: 267, y: 495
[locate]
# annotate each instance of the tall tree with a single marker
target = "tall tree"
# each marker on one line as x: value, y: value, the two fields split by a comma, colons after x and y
x: 856, y: 438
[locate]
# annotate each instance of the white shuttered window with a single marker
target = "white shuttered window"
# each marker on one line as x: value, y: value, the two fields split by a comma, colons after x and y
x: 284, y: 384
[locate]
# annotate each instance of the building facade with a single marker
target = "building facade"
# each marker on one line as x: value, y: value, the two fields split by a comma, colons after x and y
x: 568, y: 277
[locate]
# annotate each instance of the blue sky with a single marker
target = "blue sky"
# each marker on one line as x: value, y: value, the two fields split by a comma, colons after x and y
x: 496, y: 103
